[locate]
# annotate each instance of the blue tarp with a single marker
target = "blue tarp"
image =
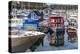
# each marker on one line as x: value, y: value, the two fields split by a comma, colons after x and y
x: 31, y: 20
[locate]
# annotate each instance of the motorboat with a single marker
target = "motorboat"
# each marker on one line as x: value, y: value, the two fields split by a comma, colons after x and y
x: 72, y: 27
x: 24, y: 40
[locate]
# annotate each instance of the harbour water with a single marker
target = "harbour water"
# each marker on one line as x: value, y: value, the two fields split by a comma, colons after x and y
x: 42, y: 44
x: 46, y: 47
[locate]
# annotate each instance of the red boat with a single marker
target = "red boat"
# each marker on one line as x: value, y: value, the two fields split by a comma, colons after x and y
x: 57, y: 24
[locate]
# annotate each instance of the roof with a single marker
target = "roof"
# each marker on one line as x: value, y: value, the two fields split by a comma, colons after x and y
x: 54, y: 17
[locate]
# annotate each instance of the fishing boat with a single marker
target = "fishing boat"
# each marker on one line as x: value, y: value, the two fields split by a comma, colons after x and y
x: 57, y: 24
x: 72, y: 28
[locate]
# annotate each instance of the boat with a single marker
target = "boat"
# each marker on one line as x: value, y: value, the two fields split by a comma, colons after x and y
x: 72, y: 34
x: 21, y: 38
x: 20, y: 42
x: 72, y: 28
x: 57, y: 38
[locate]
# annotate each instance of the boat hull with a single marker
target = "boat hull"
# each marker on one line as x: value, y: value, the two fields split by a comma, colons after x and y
x: 21, y: 44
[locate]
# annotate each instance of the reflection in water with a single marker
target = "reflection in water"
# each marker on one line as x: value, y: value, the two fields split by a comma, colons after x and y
x: 40, y: 40
x: 47, y: 47
x: 43, y: 45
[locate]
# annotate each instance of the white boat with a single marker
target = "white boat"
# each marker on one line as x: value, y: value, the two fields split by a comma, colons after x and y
x: 27, y: 38
x: 72, y: 28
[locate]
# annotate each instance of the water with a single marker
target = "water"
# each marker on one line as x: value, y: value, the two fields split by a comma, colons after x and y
x: 43, y: 45
x: 47, y: 47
